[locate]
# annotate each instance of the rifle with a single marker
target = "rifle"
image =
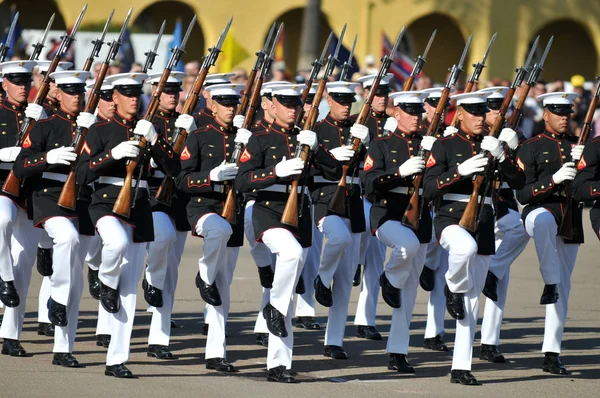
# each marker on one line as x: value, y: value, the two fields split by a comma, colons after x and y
x: 68, y: 194
x: 348, y: 64
x: 4, y: 47
x: 12, y: 184
x: 123, y: 204
x: 317, y: 64
x: 228, y: 211
x: 472, y: 213
x: 290, y: 211
x: 566, y: 225
x: 413, y: 211
x: 37, y: 47
x: 478, y: 68
x: 419, y: 62
x: 164, y: 195
x: 97, y: 44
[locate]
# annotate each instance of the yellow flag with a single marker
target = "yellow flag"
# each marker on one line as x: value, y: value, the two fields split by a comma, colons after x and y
x: 233, y: 53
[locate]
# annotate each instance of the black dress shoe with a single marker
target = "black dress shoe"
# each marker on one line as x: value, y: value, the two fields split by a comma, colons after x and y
x: 152, y: 295
x: 45, y: 329
x: 455, y: 304
x: 280, y: 375
x: 209, y: 293
x: 323, y: 293
x: 57, y: 313
x: 262, y: 339
x: 300, y: 288
x: 13, y: 348
x: 491, y: 353
x: 220, y: 365
x: 109, y: 298
x: 335, y: 352
x: 427, y: 279
x: 308, y: 323
x: 160, y: 352
x: 464, y: 377
x: 103, y: 340
x: 173, y: 324
x: 120, y: 371
x: 205, y: 329
x: 391, y: 294
x: 93, y: 283
x: 357, y: 276
x: 44, y: 261
x: 490, y: 290
x: 368, y: 332
x: 66, y: 360
x: 550, y: 295
x: 8, y: 294
x: 275, y: 321
x: 552, y: 364
x: 435, y: 343
x: 266, y: 275
x: 399, y: 363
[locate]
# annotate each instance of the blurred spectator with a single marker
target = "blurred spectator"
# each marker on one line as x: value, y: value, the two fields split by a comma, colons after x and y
x: 280, y: 72
x: 359, y: 100
x: 498, y: 81
x: 136, y: 68
x: 114, y: 68
x: 556, y: 86
x: 424, y: 82
x: 532, y: 122
x: 370, y: 67
x: 192, y: 68
x: 95, y: 70
x: 240, y: 77
x: 582, y: 103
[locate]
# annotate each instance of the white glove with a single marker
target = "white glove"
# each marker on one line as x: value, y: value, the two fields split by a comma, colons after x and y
x: 85, y: 120
x: 449, y: 131
x: 126, y: 149
x: 224, y: 172
x: 576, y: 152
x: 391, y: 124
x: 242, y: 136
x: 565, y: 173
x: 35, y: 111
x: 238, y: 121
x: 342, y: 153
x: 153, y: 164
x: 62, y: 155
x: 185, y: 122
x: 361, y: 132
x: 9, y: 154
x: 412, y: 166
x: 146, y: 130
x: 493, y: 146
x: 510, y: 137
x: 473, y: 165
x: 308, y: 137
x: 290, y: 167
x: 427, y: 142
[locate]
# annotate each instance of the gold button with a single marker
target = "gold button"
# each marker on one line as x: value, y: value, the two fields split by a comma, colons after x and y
x: 450, y: 209
x: 291, y: 145
x: 322, y: 194
x: 4, y: 133
x: 100, y: 159
x: 198, y: 182
x: 385, y: 201
x: 130, y: 130
x: 224, y: 182
x: 535, y: 190
x: 104, y: 196
x: 56, y: 144
x: 274, y: 157
x: 93, y: 162
x: 562, y: 149
x: 455, y: 175
x: 169, y: 130
x: 267, y: 203
x: 210, y: 154
x: 263, y: 174
x: 204, y: 180
x: 20, y: 122
x: 35, y: 160
x: 221, y: 128
x: 45, y: 190
x: 226, y: 145
x: 564, y: 157
x: 543, y: 187
x: 68, y: 116
x: 19, y: 114
x: 227, y: 153
x: 198, y: 200
x: 448, y: 179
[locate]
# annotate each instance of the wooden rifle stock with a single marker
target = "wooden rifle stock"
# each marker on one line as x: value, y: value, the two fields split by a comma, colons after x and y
x: 122, y: 206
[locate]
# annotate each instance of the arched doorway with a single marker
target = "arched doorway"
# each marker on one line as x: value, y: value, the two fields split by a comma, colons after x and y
x: 572, y: 52
x: 150, y: 19
x: 446, y: 48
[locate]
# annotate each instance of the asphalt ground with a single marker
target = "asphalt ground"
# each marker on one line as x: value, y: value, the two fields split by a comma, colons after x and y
x: 363, y: 374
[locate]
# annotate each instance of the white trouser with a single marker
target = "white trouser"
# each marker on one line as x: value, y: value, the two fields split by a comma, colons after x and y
x: 306, y: 303
x: 290, y: 259
x: 260, y: 253
x: 216, y: 232
x: 405, y: 246
x: 436, y: 305
x: 466, y: 274
x: 65, y: 256
x: 129, y: 263
x: 401, y: 317
x: 64, y: 337
x: 160, y: 325
x: 511, y: 240
x: 43, y: 297
x: 342, y: 289
x: 93, y: 257
x: 366, y: 309
x: 159, y: 249
x: 339, y: 238
x: 8, y: 216
x: 216, y: 317
x: 23, y: 243
x: 561, y: 257
x: 115, y: 239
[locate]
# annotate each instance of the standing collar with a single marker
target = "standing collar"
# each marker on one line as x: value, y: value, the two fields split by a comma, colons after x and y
x: 470, y: 137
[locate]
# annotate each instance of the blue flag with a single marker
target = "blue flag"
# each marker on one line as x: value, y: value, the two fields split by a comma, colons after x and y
x: 343, y: 56
x: 176, y: 41
x: 126, y: 55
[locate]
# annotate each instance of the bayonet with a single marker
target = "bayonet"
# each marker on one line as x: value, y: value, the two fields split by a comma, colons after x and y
x: 397, y: 44
x: 348, y: 64
x: 188, y: 32
x: 11, y: 30
x: 543, y: 59
x: 37, y: 47
x: 151, y: 54
x: 269, y: 36
x: 539, y: 67
x: 78, y: 21
x: 429, y: 45
x: 464, y: 54
x: 274, y: 46
x: 489, y: 47
x: 531, y: 53
x: 325, y: 49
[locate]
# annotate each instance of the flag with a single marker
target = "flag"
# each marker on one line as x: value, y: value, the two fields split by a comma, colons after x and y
x: 17, y: 46
x: 343, y: 56
x: 69, y: 56
x: 176, y: 41
x: 402, y: 66
x: 233, y: 53
x: 126, y: 55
